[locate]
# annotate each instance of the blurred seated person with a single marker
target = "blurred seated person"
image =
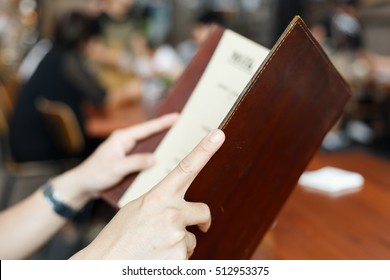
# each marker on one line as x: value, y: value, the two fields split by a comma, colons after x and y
x: 118, y: 20
x: 150, y: 60
x: 201, y: 29
x: 157, y: 68
x: 341, y: 28
x: 341, y: 34
x: 32, y: 59
x: 63, y: 75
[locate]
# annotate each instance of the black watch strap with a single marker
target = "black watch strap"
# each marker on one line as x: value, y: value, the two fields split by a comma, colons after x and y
x: 55, y: 202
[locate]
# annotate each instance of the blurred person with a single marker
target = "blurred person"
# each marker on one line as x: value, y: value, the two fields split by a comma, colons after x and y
x: 341, y: 28
x: 150, y: 227
x: 159, y: 20
x: 95, y: 7
x: 201, y: 29
x: 63, y: 75
x: 157, y: 68
x: 286, y: 10
x: 116, y: 28
x: 32, y: 59
x: 150, y: 60
x: 341, y: 34
x: 118, y: 21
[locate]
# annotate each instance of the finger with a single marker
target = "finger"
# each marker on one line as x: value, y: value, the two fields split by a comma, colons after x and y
x: 197, y: 213
x: 134, y: 163
x: 134, y: 133
x: 178, y: 180
x: 190, y: 240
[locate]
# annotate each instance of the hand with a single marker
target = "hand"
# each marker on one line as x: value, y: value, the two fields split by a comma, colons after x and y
x: 154, y: 226
x: 109, y: 163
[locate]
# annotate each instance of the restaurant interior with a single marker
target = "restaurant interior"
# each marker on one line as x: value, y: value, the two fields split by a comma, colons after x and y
x: 133, y: 53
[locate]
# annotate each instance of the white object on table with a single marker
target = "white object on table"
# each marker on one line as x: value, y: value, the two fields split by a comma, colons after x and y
x: 332, y: 180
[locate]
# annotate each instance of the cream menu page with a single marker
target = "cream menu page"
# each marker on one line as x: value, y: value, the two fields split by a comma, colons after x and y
x: 232, y: 65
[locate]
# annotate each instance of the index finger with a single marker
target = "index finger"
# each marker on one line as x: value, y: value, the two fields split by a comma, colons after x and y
x: 179, y: 179
x: 130, y: 135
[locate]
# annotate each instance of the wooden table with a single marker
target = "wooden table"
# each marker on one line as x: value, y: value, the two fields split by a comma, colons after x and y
x: 100, y: 122
x: 317, y: 226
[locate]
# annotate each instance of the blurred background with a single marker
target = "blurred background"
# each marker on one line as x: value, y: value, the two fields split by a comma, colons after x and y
x: 118, y: 58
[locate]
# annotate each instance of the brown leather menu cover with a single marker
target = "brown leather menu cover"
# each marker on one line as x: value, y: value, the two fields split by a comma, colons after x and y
x: 272, y: 132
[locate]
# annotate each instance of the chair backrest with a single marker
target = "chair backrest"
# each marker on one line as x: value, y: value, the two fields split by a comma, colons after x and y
x: 3, y: 123
x: 63, y: 125
x: 5, y: 109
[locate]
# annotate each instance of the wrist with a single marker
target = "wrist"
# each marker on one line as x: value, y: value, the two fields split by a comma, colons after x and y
x: 70, y: 188
x: 56, y: 203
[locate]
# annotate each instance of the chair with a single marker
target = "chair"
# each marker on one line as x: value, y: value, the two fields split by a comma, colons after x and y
x: 63, y: 125
x: 5, y: 110
x: 10, y: 169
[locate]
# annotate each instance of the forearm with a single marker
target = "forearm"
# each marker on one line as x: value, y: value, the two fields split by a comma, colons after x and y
x: 28, y: 225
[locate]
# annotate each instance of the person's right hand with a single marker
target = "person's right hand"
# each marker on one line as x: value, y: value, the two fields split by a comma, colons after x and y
x: 154, y: 226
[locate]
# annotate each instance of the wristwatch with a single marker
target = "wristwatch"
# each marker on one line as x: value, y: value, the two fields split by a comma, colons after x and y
x: 56, y: 203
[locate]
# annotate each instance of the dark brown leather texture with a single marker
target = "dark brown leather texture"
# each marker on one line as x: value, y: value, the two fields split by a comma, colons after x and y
x: 272, y: 132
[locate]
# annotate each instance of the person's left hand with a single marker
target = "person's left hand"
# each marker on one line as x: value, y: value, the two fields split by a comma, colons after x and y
x: 110, y: 163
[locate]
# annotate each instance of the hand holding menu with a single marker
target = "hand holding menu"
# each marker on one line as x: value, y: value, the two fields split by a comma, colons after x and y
x: 274, y: 107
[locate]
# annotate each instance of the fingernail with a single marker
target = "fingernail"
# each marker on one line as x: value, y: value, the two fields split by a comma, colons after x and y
x: 205, y: 228
x: 216, y: 136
